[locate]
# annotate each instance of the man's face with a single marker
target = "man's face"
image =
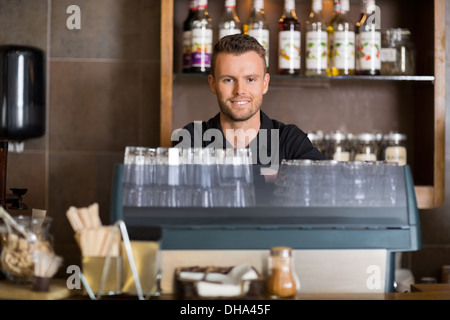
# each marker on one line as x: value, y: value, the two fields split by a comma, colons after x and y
x: 240, y: 81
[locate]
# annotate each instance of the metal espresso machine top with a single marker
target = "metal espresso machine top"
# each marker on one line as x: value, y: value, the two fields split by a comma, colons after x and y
x: 345, y: 221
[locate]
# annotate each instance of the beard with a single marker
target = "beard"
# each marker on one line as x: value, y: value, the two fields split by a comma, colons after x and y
x: 238, y: 115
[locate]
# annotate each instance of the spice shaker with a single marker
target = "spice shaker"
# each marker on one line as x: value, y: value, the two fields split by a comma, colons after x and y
x: 395, y: 148
x: 366, y: 147
x: 282, y: 281
x: 317, y: 139
x: 337, y: 146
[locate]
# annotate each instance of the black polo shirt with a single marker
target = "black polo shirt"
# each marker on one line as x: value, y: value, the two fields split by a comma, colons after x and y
x: 293, y: 143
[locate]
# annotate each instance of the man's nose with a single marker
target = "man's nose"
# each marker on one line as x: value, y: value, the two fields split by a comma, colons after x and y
x: 240, y: 88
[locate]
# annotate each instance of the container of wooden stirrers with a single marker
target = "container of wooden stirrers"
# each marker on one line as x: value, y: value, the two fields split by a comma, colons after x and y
x: 101, y: 259
x: 93, y: 270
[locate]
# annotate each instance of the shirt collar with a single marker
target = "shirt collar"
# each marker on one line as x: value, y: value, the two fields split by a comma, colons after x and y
x: 266, y: 124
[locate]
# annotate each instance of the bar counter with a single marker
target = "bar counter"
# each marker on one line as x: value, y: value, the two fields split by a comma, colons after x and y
x: 59, y: 291
x: 418, y: 292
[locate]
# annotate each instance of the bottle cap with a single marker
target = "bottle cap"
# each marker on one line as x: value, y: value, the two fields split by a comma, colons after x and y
x: 281, y: 252
x: 395, y: 136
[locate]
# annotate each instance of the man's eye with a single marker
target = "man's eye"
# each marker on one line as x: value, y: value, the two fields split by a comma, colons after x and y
x: 228, y: 80
x: 251, y: 79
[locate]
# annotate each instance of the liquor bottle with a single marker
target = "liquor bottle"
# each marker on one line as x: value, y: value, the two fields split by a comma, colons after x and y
x: 289, y: 41
x: 341, y: 41
x: 193, y: 6
x: 229, y: 22
x: 257, y: 27
x: 316, y: 42
x: 368, y: 40
x: 201, y: 39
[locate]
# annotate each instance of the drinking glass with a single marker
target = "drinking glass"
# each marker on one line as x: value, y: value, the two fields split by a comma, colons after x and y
x: 301, y: 175
x: 168, y: 176
x: 236, y: 178
x: 138, y: 175
x: 205, y: 177
x: 187, y: 176
x: 393, y: 186
x: 324, y: 183
x: 293, y: 185
x: 376, y: 178
x: 353, y: 192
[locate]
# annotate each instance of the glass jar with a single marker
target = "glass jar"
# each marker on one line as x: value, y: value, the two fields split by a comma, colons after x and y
x: 282, y: 281
x: 394, y: 148
x: 366, y: 148
x: 337, y: 146
x: 398, y: 54
x: 17, y: 256
x: 317, y: 139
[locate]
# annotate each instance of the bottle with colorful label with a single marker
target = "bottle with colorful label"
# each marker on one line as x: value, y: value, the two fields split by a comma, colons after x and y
x: 257, y: 27
x: 316, y: 57
x: 201, y: 39
x: 368, y: 40
x: 193, y: 5
x: 341, y: 41
x: 289, y: 41
x: 229, y: 22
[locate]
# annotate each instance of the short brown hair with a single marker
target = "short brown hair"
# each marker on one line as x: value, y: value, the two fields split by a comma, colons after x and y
x: 237, y: 44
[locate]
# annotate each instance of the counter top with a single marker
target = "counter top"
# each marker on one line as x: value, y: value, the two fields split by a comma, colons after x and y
x: 418, y: 292
x: 11, y: 291
x: 58, y: 291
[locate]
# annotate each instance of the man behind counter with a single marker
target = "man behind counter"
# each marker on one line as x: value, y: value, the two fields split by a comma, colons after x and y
x: 239, y: 80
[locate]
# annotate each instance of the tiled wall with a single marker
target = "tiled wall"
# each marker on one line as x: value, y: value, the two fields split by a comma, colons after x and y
x: 103, y: 94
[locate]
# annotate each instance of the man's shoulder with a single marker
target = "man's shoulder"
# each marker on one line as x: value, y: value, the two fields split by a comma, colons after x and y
x: 194, y: 133
x: 283, y: 127
x: 205, y: 125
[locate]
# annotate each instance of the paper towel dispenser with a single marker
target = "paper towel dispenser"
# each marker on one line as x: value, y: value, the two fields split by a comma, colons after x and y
x: 22, y: 92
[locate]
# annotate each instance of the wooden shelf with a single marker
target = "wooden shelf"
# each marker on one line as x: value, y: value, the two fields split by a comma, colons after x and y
x: 418, y: 92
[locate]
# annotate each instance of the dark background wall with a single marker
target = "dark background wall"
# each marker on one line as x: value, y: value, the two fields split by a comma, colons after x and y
x: 103, y: 94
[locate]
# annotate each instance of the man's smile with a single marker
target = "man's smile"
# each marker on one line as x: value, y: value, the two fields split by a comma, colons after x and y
x: 240, y: 102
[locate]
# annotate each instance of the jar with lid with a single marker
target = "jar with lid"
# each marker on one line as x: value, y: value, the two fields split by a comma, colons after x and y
x: 18, y: 252
x: 337, y: 146
x: 394, y: 148
x: 317, y: 139
x: 282, y: 281
x: 366, y: 147
x: 398, y: 54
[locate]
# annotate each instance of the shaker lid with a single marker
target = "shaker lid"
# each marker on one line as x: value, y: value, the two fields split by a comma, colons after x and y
x: 366, y: 137
x: 395, y: 136
x: 281, y: 251
x: 336, y: 136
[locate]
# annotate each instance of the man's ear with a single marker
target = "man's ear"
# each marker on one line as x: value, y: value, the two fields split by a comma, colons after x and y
x: 212, y: 86
x: 266, y: 82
